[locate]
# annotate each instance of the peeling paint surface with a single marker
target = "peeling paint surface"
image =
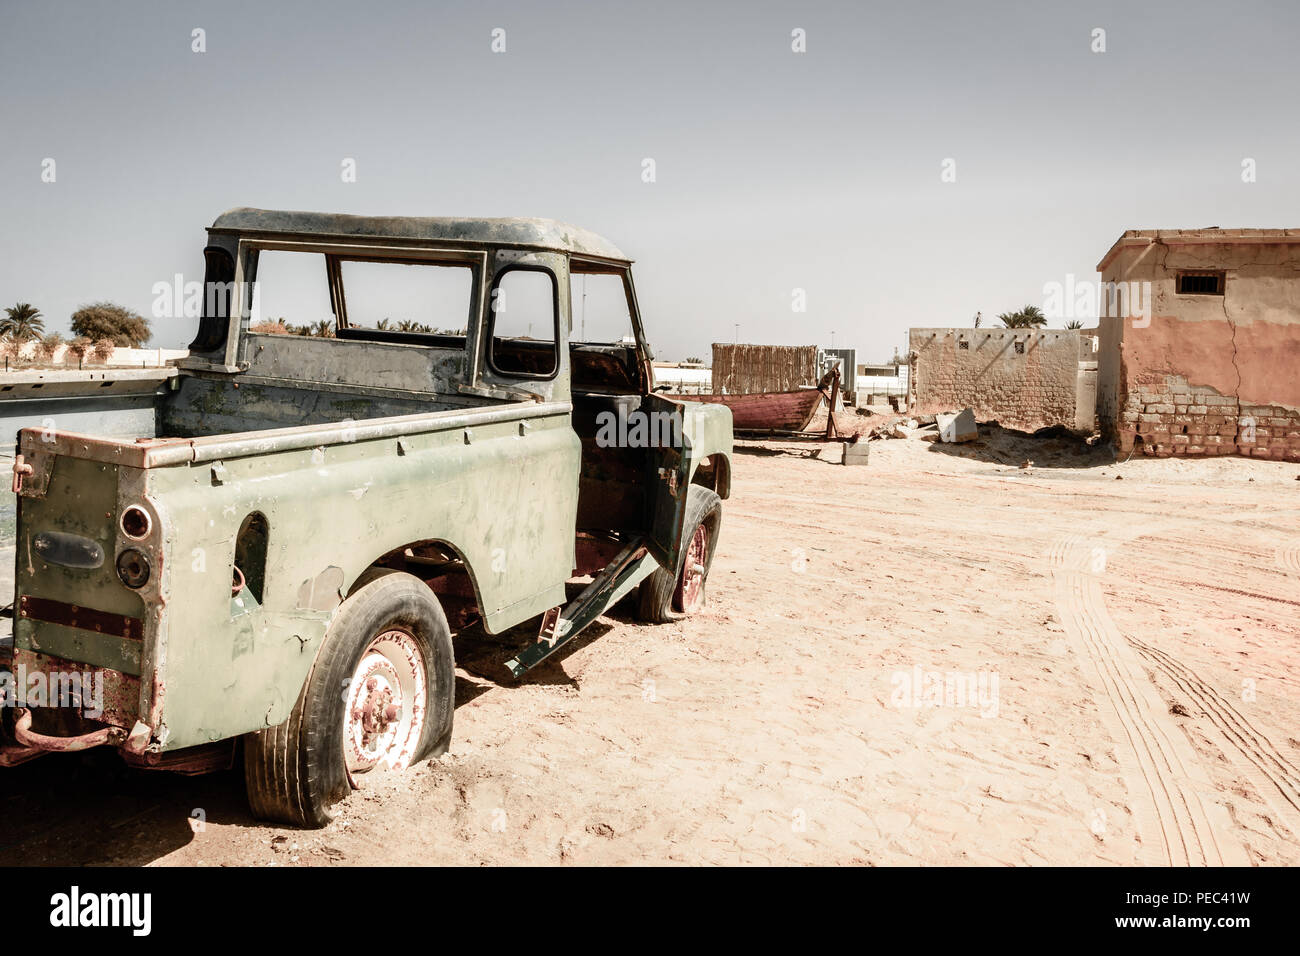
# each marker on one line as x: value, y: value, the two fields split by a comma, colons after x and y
x: 1207, y: 374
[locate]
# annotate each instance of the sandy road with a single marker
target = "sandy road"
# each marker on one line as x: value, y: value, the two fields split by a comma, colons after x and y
x: 1132, y: 648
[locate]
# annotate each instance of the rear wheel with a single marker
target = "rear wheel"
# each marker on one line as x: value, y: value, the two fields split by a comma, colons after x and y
x: 667, y: 597
x: 380, y: 695
x: 385, y: 711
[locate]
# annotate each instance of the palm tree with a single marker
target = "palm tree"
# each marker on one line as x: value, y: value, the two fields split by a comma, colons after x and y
x: 323, y: 329
x: 1074, y: 324
x: 383, y: 325
x: 1031, y: 316
x: 22, y: 322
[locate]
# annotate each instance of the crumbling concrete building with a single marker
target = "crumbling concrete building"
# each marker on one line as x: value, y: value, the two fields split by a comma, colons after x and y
x: 1021, y: 378
x: 1202, y: 356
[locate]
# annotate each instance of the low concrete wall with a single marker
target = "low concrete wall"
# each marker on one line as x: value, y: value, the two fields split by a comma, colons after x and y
x: 1018, y: 377
x: 29, y: 355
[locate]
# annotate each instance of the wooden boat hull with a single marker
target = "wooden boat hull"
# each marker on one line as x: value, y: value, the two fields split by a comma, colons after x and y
x: 766, y: 411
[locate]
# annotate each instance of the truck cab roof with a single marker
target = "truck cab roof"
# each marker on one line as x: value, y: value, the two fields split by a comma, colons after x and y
x: 545, y: 234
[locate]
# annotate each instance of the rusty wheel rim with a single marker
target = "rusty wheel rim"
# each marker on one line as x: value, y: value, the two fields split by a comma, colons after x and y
x: 690, y: 587
x: 384, y: 713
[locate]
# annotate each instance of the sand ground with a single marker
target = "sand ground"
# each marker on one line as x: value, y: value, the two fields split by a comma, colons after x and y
x: 940, y: 658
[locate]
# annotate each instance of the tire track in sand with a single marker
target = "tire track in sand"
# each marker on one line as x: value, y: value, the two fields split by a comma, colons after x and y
x: 1178, y: 818
x: 1275, y: 777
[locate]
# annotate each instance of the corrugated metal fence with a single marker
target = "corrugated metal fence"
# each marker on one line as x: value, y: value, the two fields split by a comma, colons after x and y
x: 746, y: 369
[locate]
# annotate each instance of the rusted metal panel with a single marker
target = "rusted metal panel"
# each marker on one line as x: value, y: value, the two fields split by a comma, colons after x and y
x: 69, y: 701
x: 592, y: 554
x: 192, y: 761
x: 82, y: 618
x: 121, y: 699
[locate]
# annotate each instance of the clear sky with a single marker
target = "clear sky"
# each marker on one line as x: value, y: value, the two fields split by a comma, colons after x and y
x: 774, y: 170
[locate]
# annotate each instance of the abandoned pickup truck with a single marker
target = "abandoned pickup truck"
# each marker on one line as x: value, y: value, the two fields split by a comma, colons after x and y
x: 471, y: 434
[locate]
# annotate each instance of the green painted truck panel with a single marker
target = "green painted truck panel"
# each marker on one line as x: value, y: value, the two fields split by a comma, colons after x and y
x: 500, y: 494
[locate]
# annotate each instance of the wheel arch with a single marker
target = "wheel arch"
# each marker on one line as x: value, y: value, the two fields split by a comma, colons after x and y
x: 396, y: 559
x: 714, y: 472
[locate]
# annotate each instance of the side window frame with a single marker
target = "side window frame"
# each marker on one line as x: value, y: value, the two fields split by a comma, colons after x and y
x: 645, y: 354
x: 589, y: 266
x: 250, y: 248
x: 335, y: 262
x: 492, y: 322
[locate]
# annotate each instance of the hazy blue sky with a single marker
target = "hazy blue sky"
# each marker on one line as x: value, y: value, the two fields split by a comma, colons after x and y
x: 775, y: 170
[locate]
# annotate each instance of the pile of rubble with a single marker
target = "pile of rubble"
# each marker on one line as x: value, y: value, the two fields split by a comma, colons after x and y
x: 945, y: 427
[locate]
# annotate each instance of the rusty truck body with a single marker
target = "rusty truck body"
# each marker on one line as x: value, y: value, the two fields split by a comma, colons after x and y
x: 280, y: 561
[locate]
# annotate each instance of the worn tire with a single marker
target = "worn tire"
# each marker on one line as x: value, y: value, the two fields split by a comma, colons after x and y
x: 655, y: 597
x: 296, y: 772
x: 369, y: 575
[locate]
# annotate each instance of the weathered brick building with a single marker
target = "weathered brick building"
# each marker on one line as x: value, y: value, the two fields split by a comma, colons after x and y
x: 1021, y: 378
x: 1209, y: 364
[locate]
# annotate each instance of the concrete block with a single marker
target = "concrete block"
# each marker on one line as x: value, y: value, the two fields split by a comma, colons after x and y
x: 957, y: 426
x: 855, y: 453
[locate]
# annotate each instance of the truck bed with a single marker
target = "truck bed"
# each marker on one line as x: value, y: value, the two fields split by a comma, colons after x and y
x: 325, y: 501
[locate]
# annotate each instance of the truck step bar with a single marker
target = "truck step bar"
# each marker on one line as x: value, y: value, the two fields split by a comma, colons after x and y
x: 629, y: 568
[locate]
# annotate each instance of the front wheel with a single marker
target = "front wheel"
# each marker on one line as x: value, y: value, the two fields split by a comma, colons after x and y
x: 380, y: 695
x: 667, y: 597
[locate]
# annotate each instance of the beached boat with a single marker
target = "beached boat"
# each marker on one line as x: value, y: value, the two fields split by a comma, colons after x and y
x: 766, y: 411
